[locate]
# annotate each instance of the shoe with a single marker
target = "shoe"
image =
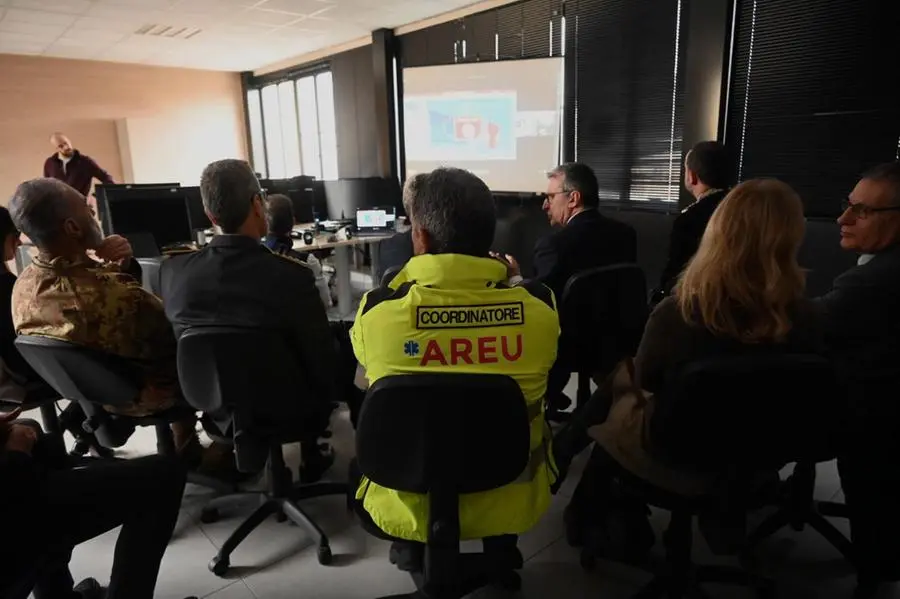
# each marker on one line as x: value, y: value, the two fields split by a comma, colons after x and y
x: 408, y: 557
x: 317, y: 464
x: 89, y: 588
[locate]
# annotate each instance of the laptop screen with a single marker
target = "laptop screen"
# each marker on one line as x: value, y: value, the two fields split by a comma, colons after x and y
x: 376, y: 219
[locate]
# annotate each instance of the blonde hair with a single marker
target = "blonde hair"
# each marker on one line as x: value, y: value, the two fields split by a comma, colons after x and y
x: 744, y: 279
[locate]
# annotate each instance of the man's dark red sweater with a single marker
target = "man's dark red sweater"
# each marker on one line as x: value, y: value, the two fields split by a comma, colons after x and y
x: 79, y: 172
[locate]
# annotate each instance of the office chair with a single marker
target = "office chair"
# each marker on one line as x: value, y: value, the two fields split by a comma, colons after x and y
x: 95, y: 379
x: 416, y: 433
x: 248, y: 384
x: 731, y: 416
x: 602, y: 316
x: 389, y: 275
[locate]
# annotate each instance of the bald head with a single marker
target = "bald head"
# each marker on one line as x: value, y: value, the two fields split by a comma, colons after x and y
x: 62, y: 144
x: 54, y: 215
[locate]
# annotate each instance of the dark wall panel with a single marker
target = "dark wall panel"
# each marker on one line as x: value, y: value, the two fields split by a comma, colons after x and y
x: 354, y: 111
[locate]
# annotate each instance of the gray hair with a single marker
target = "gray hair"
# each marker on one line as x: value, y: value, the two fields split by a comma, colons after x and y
x: 279, y: 215
x: 889, y: 173
x: 39, y: 208
x: 577, y: 176
x: 455, y: 207
x: 228, y: 188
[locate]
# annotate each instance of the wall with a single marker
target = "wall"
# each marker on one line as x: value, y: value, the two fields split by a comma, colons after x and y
x: 142, y: 124
x: 354, y: 113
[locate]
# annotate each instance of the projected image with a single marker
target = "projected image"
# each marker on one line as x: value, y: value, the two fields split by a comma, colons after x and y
x: 498, y: 119
x: 478, y: 126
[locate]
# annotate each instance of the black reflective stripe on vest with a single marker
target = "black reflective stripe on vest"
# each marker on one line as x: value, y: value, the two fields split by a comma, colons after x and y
x: 383, y: 294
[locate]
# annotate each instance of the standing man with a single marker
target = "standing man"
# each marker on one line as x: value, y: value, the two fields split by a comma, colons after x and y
x: 72, y: 167
x: 863, y: 337
x: 707, y: 176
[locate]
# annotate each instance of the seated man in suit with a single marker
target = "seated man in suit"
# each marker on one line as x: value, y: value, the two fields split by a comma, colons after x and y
x: 585, y: 239
x: 708, y: 177
x: 66, y: 294
x: 453, y: 222
x: 863, y: 337
x: 395, y: 252
x: 236, y: 281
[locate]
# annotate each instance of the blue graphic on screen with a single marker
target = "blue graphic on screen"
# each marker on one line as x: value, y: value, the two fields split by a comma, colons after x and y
x: 462, y: 127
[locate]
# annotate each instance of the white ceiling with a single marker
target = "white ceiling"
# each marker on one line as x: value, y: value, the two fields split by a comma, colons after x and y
x: 234, y: 35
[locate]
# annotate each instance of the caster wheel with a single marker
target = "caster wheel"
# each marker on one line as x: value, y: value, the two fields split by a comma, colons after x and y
x: 588, y: 561
x: 208, y: 516
x: 510, y: 582
x: 219, y: 566
x: 325, y: 556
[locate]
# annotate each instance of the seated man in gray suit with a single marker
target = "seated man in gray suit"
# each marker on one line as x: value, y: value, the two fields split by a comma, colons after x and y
x: 863, y: 336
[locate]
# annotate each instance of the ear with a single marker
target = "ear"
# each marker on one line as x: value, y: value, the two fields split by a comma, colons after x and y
x: 71, y: 228
x: 574, y: 199
x: 691, y: 176
x: 210, y: 217
x: 421, y: 240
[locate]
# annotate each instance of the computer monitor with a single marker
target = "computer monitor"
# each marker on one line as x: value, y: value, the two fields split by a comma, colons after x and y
x: 162, y: 213
x: 376, y: 221
x: 103, y: 192
x: 196, y: 212
x: 345, y: 196
x: 301, y: 192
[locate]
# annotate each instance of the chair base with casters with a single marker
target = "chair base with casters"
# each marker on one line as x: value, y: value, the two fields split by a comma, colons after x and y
x: 799, y: 510
x: 680, y: 576
x: 280, y: 499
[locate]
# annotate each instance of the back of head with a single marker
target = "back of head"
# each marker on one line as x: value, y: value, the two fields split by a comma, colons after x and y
x: 279, y: 215
x: 744, y: 280
x: 40, y: 207
x: 455, y: 209
x: 228, y: 188
x: 711, y: 162
x: 577, y: 176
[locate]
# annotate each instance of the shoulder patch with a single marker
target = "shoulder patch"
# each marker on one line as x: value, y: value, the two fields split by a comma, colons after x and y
x: 384, y: 294
x: 541, y: 292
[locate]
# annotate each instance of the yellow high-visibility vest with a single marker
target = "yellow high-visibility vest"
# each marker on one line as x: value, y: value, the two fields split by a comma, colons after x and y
x: 449, y: 313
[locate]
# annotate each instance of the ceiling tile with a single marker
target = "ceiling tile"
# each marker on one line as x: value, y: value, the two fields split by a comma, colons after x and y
x: 303, y: 7
x: 38, y: 16
x: 71, y: 7
x: 100, y: 35
x: 141, y: 4
x: 34, y: 30
x: 85, y: 53
x: 267, y: 17
x: 124, y: 14
x: 11, y: 47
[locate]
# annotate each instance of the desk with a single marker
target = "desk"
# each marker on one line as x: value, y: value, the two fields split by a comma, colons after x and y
x: 341, y: 262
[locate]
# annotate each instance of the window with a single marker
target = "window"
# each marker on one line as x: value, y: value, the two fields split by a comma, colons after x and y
x: 254, y: 114
x: 807, y: 103
x: 292, y: 128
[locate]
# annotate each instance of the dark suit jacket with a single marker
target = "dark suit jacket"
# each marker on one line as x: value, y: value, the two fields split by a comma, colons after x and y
x: 589, y: 240
x: 863, y: 328
x: 235, y: 281
x: 687, y: 230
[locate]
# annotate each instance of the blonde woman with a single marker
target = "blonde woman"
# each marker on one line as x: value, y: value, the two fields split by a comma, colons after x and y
x: 742, y: 287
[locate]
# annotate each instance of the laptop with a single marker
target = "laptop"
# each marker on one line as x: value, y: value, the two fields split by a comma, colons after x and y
x: 374, y: 222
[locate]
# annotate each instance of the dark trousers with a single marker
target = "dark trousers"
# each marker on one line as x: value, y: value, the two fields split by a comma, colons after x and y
x: 142, y: 496
x: 870, y: 480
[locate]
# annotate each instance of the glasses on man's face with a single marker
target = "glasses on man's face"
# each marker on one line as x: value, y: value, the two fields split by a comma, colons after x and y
x: 862, y: 212
x: 550, y: 195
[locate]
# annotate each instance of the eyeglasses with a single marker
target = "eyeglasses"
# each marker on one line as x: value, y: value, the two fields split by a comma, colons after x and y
x: 552, y: 194
x: 862, y: 212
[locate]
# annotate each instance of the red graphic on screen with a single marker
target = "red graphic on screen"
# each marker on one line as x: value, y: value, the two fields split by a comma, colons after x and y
x: 469, y: 129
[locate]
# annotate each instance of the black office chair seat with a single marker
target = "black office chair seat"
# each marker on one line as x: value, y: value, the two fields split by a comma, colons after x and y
x: 416, y: 434
x: 248, y: 383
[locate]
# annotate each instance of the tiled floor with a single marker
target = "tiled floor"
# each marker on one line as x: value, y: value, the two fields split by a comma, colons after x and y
x: 277, y: 561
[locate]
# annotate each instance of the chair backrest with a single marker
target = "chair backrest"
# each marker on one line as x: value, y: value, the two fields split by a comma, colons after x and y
x: 758, y: 409
x: 80, y: 373
x: 251, y: 374
x: 389, y: 275
x: 459, y: 432
x: 92, y: 378
x: 602, y: 315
